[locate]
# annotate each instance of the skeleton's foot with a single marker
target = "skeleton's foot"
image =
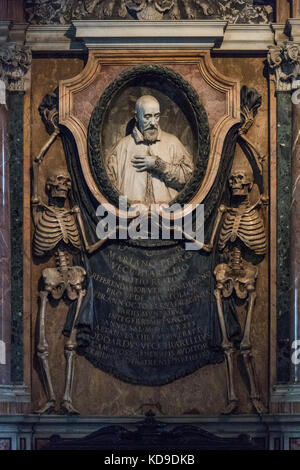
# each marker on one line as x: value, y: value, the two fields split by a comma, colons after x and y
x: 47, y: 408
x: 230, y: 408
x: 258, y: 405
x: 68, y: 408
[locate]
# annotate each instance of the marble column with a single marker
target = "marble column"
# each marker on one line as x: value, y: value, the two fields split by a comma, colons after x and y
x: 5, y: 311
x: 15, y: 60
x: 284, y: 63
x: 285, y: 317
x: 295, y: 237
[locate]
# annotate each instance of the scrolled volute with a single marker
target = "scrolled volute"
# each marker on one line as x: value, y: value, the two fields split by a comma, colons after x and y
x: 15, y: 60
x: 284, y: 64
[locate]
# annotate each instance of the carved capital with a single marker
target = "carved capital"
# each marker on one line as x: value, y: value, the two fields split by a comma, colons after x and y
x: 284, y: 64
x: 15, y: 61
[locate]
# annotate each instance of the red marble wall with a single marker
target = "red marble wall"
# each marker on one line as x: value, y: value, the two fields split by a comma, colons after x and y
x: 12, y: 10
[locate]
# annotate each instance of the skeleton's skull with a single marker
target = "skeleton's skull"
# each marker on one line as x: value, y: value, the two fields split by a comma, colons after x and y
x: 241, y: 181
x: 59, y: 183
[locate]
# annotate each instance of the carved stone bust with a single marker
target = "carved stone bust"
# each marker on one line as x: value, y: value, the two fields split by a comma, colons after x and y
x: 149, y: 165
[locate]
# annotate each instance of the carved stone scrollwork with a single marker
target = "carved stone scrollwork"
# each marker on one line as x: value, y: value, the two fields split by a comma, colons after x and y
x: 65, y: 11
x: 15, y: 61
x: 284, y: 64
x: 150, y: 10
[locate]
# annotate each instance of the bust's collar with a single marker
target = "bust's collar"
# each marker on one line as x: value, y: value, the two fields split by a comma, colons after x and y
x: 138, y: 136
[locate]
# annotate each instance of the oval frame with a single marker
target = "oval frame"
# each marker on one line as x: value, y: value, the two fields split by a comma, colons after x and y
x: 144, y: 75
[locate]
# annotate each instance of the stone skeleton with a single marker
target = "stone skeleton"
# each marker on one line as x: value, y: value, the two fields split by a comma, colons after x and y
x: 242, y: 226
x: 57, y: 230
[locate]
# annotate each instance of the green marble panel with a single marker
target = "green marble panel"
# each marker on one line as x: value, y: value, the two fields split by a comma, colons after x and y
x: 284, y: 198
x: 15, y: 131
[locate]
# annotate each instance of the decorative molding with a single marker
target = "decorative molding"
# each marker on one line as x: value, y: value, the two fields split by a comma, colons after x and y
x: 292, y: 29
x: 287, y: 393
x: 52, y: 37
x: 165, y: 34
x: 66, y: 11
x: 245, y: 37
x: 279, y: 32
x: 202, y: 34
x: 284, y: 64
x: 152, y: 433
x: 15, y: 61
x: 4, y: 31
x: 14, y: 393
x: 33, y: 427
x: 17, y: 33
x: 70, y: 88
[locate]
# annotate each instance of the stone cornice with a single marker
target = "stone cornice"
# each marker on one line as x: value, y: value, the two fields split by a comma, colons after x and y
x: 244, y: 37
x: 15, y: 60
x: 279, y: 33
x: 148, y: 34
x: 284, y: 65
x: 292, y: 29
x: 202, y: 34
x: 52, y: 38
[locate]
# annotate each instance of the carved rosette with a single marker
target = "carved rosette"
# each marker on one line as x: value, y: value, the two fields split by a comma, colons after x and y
x: 284, y: 64
x: 15, y: 61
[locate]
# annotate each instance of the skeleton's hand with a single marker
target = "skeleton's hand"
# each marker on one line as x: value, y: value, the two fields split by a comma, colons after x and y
x: 76, y: 209
x: 143, y: 162
x: 207, y: 247
x: 35, y: 200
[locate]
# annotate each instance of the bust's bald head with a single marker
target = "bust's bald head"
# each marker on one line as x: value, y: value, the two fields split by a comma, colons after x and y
x: 146, y: 100
x: 147, y: 114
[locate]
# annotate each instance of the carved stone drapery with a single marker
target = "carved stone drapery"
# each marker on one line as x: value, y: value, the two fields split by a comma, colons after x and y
x: 65, y: 11
x: 15, y: 61
x: 284, y: 64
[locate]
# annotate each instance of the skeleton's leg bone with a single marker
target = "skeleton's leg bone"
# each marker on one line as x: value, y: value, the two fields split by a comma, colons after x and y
x: 254, y: 394
x: 229, y: 351
x: 246, y: 344
x: 42, y: 353
x: 245, y: 348
x: 70, y: 354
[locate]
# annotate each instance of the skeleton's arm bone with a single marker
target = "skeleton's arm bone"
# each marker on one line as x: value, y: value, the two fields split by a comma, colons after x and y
x: 208, y: 247
x: 35, y: 212
x: 94, y: 246
x: 36, y: 166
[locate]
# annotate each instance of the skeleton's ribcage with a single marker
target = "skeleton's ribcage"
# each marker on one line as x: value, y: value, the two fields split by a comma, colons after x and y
x: 52, y: 228
x: 248, y: 227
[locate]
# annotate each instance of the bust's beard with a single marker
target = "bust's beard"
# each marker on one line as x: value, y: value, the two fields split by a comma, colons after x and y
x: 150, y: 135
